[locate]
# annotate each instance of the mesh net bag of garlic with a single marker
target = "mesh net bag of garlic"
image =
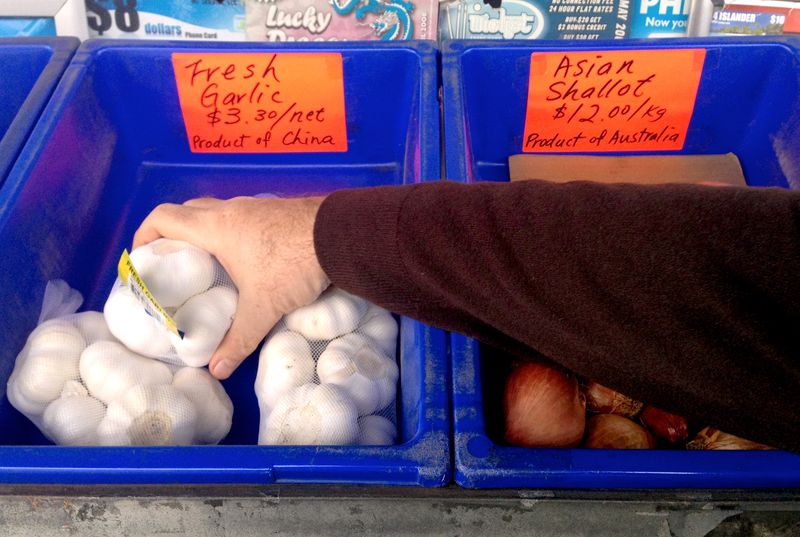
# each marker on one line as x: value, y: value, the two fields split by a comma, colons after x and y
x: 191, y: 286
x: 327, y: 375
x: 91, y: 379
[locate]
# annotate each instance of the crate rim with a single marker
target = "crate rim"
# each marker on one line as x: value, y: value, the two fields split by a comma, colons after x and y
x: 21, y: 127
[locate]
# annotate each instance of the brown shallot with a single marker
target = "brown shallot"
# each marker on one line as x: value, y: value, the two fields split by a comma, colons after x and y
x: 610, y: 431
x: 543, y: 407
x: 607, y: 401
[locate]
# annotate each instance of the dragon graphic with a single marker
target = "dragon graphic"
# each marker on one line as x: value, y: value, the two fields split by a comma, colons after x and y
x: 393, y: 19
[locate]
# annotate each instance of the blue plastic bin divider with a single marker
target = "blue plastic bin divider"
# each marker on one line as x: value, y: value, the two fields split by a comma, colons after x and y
x: 31, y: 68
x: 109, y: 147
x: 748, y: 103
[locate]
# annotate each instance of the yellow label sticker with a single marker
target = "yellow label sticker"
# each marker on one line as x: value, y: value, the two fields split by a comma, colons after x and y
x: 127, y: 273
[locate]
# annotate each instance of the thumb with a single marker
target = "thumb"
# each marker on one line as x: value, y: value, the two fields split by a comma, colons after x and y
x: 250, y: 324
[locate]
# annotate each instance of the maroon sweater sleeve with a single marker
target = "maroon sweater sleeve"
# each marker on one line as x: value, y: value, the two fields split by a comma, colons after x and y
x: 686, y: 297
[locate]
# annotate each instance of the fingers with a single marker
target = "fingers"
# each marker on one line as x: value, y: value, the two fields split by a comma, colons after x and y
x: 251, y: 322
x: 175, y: 221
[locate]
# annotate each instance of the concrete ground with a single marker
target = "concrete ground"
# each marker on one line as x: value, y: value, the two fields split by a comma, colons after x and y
x: 347, y: 511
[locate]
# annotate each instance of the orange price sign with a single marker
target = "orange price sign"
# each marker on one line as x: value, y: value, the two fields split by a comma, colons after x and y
x: 275, y: 102
x: 617, y: 100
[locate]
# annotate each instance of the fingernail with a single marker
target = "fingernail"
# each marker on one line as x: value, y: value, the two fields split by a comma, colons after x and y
x: 223, y: 369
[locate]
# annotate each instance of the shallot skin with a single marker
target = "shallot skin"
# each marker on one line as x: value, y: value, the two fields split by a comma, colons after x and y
x: 607, y: 401
x: 543, y: 408
x: 611, y: 431
x: 714, y: 439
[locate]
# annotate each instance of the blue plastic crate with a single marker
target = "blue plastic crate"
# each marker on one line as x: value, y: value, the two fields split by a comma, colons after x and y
x: 31, y: 69
x: 748, y: 103
x: 96, y: 165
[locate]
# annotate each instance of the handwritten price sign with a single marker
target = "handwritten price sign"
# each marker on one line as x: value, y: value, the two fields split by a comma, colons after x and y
x: 262, y: 103
x: 620, y: 100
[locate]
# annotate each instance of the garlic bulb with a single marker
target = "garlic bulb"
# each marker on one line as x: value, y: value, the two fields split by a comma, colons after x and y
x: 205, y: 319
x: 311, y: 414
x: 56, y: 335
x: 148, y: 415
x: 214, y: 407
x: 73, y: 420
x: 376, y: 431
x: 285, y: 362
x: 130, y: 323
x: 174, y: 271
x: 30, y: 407
x: 354, y: 364
x: 379, y: 325
x: 49, y: 359
x: 93, y: 327
x: 333, y: 314
x: 108, y: 369
x: 73, y: 388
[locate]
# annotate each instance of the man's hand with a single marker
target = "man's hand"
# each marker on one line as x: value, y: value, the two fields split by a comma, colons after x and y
x: 265, y: 245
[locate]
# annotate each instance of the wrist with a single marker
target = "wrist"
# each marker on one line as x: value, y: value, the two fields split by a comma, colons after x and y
x: 313, y: 205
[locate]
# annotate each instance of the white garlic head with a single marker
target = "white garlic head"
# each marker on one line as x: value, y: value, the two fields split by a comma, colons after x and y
x: 49, y: 359
x: 214, y: 407
x: 333, y: 314
x: 205, y: 319
x: 376, y: 431
x: 30, y: 407
x: 380, y: 326
x: 58, y: 335
x: 109, y: 370
x: 93, y: 327
x: 149, y: 415
x: 174, y: 271
x: 73, y: 420
x: 312, y: 414
x: 129, y: 323
x: 285, y: 362
x: 73, y: 388
x: 42, y: 376
x: 368, y: 376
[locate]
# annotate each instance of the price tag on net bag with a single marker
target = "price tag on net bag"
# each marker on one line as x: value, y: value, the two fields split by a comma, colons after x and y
x: 617, y: 100
x: 262, y: 102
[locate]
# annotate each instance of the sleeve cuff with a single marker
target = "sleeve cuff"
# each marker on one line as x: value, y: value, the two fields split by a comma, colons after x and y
x: 356, y: 242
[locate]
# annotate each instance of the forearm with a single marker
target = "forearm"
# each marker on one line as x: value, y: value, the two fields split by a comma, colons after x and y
x: 686, y: 297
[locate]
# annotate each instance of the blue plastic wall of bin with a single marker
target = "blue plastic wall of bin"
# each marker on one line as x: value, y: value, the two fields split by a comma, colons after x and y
x: 31, y: 68
x: 111, y: 146
x: 748, y: 103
